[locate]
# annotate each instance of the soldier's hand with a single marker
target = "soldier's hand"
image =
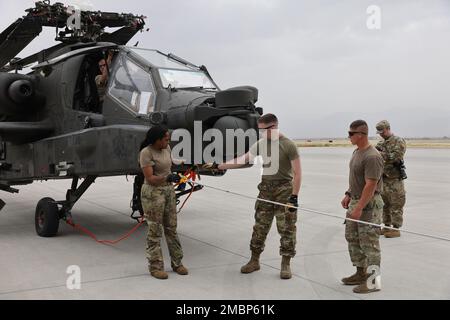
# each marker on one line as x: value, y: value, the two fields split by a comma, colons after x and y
x: 110, y: 57
x: 356, y: 214
x: 293, y: 201
x: 345, y: 202
x: 210, y: 166
x: 173, y: 178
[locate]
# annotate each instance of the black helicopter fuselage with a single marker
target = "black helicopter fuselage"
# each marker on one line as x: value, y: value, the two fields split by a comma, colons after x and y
x: 61, y: 121
x: 55, y: 125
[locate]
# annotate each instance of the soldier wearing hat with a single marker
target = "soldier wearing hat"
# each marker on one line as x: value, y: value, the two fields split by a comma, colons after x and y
x: 392, y: 149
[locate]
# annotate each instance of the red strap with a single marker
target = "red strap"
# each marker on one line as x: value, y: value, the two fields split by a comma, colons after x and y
x: 189, y: 174
x: 111, y: 242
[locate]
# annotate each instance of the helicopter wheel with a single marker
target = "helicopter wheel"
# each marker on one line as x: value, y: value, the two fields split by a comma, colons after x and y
x: 47, y: 218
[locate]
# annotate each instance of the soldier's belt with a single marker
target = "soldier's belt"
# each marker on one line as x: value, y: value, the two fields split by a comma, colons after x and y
x: 359, y: 197
x: 385, y: 177
x: 276, y: 182
x: 164, y: 184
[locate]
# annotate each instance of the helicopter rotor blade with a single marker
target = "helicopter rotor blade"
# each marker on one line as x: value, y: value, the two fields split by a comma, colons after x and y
x: 16, y: 37
x: 120, y: 37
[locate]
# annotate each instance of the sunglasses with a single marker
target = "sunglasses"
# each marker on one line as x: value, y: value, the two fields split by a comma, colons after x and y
x: 102, y: 65
x: 352, y: 133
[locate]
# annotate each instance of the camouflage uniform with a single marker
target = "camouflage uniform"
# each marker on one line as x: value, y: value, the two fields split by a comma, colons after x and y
x: 392, y: 150
x: 159, y: 204
x: 278, y: 191
x: 363, y: 240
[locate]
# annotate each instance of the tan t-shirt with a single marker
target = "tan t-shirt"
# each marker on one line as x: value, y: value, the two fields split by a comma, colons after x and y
x: 365, y: 164
x: 287, y: 151
x: 160, y: 160
x: 101, y: 87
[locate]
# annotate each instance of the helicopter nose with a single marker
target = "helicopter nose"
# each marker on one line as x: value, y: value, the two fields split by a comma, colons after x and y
x: 238, y: 133
x: 231, y: 123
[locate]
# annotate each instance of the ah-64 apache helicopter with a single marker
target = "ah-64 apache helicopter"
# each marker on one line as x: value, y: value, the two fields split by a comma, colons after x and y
x: 55, y: 125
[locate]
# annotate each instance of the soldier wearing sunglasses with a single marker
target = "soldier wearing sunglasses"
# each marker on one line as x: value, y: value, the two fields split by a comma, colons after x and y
x: 282, y: 186
x: 363, y: 202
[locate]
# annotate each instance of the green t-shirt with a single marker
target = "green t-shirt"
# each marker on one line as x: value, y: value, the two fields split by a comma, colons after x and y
x: 276, y: 166
x: 365, y: 164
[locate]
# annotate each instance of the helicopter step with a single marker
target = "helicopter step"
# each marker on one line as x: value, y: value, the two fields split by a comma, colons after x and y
x: 49, y: 212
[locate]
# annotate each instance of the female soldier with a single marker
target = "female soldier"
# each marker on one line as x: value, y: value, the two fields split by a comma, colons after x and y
x: 159, y: 202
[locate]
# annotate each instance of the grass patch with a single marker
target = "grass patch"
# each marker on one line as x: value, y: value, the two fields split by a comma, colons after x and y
x: 411, y: 143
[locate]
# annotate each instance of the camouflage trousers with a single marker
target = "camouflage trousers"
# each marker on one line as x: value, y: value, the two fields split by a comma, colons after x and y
x: 394, y: 200
x: 363, y: 240
x: 159, y: 204
x: 278, y: 191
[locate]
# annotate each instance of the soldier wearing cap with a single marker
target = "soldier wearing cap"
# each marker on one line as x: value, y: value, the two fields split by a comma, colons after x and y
x: 392, y: 149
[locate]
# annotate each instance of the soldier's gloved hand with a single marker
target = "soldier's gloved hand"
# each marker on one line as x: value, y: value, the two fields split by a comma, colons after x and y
x: 173, y: 178
x: 293, y: 200
x: 210, y: 166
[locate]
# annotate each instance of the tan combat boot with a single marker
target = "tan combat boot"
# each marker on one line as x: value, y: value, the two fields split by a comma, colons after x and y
x: 385, y: 230
x: 392, y: 233
x: 358, y: 278
x: 252, y: 265
x: 285, y: 272
x: 181, y: 270
x: 159, y: 274
x: 363, y: 288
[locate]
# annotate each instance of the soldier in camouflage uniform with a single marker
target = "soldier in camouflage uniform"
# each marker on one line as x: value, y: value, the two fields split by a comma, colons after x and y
x: 363, y: 203
x: 392, y: 149
x: 159, y: 202
x: 282, y: 185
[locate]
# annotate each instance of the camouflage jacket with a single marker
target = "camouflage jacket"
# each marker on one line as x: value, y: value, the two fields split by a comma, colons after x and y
x: 392, y: 150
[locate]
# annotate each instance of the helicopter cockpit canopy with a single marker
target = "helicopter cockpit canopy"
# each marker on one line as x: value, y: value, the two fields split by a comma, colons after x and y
x: 175, y: 72
x: 137, y: 74
x: 133, y: 86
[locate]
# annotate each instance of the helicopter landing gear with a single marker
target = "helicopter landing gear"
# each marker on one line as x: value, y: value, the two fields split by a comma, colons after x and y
x: 48, y: 212
x: 47, y: 218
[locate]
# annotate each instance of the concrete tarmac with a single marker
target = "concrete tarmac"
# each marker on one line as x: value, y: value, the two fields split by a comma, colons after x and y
x: 215, y: 230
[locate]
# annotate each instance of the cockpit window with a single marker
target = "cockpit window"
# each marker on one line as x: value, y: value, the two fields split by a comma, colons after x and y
x: 185, y: 79
x: 175, y: 72
x: 132, y: 86
x: 159, y: 60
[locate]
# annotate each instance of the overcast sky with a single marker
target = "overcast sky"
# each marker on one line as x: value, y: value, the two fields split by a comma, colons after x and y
x: 315, y: 62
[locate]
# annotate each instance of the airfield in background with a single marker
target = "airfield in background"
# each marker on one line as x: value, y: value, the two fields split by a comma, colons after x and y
x: 422, y: 143
x: 215, y: 230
